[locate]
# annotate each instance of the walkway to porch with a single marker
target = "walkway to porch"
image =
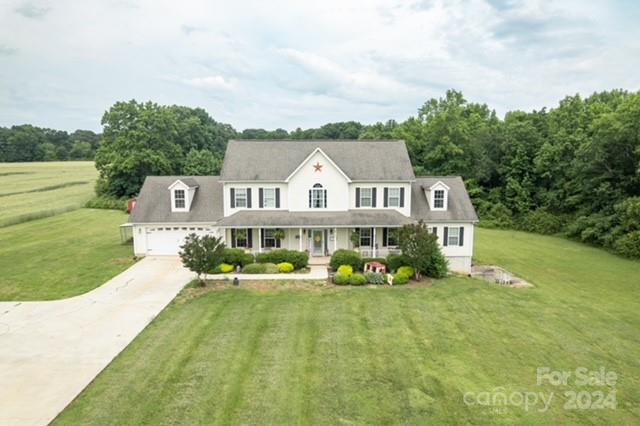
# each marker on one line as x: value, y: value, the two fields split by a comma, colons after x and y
x: 319, y: 260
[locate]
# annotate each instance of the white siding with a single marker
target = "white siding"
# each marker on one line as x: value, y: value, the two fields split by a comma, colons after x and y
x: 255, y: 188
x: 406, y: 210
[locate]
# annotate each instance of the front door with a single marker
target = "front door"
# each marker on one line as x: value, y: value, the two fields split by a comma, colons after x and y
x: 317, y: 236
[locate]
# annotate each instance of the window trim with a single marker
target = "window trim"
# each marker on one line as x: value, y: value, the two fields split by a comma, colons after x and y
x: 370, y: 237
x: 363, y: 197
x: 245, y: 239
x: 176, y: 199
x: 245, y: 197
x: 265, y: 198
x: 397, y: 237
x: 456, y: 239
x: 317, y: 197
x: 389, y: 197
x: 265, y: 237
x: 445, y: 197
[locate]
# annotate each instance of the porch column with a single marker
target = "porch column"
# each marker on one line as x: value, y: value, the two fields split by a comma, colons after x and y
x: 259, y: 240
x: 374, y: 242
x: 335, y: 239
x: 299, y: 239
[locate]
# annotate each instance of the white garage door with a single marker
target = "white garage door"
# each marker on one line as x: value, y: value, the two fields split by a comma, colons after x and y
x: 167, y: 240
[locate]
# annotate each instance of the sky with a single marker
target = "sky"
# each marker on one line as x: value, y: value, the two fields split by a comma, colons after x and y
x: 287, y: 64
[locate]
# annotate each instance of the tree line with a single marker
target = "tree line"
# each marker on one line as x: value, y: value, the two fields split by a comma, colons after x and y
x: 29, y: 143
x: 573, y: 169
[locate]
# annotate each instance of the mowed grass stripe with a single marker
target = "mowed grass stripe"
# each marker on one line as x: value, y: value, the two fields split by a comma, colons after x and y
x: 33, y: 191
x: 61, y: 256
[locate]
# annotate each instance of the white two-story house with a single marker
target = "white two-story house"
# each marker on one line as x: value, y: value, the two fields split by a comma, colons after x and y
x: 318, y: 196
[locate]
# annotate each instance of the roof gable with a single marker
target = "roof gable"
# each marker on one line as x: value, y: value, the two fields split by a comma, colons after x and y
x: 309, y: 157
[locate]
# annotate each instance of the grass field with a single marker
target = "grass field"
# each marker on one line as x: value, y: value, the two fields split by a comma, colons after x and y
x: 35, y: 190
x: 386, y: 355
x: 61, y: 256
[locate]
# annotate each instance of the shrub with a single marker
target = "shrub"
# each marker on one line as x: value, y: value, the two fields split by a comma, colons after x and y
x: 629, y: 245
x: 342, y: 279
x: 299, y: 259
x: 438, y: 267
x: 270, y: 268
x: 285, y: 267
x: 254, y: 268
x: 346, y: 257
x: 375, y: 278
x: 400, y: 279
x: 345, y: 270
x: 236, y: 256
x: 109, y: 203
x: 357, y: 279
x: 407, y: 270
x: 223, y: 268
x: 394, y: 261
x: 201, y: 254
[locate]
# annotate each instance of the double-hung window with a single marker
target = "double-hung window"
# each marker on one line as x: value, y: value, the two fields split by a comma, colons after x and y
x: 454, y: 236
x: 392, y: 235
x: 365, y: 237
x: 179, y: 201
x: 317, y: 197
x: 241, y: 237
x: 366, y: 197
x: 241, y: 197
x: 269, y: 198
x: 438, y: 199
x: 268, y: 238
x: 394, y: 197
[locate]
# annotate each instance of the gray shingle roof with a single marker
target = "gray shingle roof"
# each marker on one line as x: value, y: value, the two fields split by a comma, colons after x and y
x: 154, y: 201
x: 459, y: 205
x: 285, y: 218
x: 190, y: 182
x: 248, y: 160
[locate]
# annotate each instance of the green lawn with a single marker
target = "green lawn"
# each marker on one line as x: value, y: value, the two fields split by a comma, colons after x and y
x: 385, y: 355
x: 36, y: 190
x: 62, y: 255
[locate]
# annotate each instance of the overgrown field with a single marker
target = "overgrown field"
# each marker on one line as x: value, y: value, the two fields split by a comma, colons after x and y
x: 35, y: 190
x: 61, y: 256
x: 388, y: 355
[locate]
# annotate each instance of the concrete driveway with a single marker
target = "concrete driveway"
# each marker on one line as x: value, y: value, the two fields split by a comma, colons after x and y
x: 50, y: 351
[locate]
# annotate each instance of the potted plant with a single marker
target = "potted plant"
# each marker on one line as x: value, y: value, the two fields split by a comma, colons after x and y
x: 355, y: 238
x: 278, y: 234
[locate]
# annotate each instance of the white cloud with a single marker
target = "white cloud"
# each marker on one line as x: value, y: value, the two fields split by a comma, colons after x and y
x: 214, y: 82
x: 289, y: 63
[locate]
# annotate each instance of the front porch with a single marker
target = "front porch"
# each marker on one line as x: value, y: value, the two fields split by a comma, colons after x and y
x: 320, y: 242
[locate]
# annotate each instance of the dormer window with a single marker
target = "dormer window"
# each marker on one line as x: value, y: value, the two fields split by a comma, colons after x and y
x: 179, y: 200
x: 438, y: 199
x: 439, y: 193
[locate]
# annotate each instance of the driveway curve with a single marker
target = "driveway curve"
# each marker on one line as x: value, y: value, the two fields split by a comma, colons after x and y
x: 50, y: 351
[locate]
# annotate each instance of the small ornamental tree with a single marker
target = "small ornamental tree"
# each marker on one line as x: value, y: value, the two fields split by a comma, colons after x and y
x: 421, y: 250
x: 202, y: 254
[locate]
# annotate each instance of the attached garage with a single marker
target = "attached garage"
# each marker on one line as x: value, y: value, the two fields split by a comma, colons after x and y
x: 165, y: 240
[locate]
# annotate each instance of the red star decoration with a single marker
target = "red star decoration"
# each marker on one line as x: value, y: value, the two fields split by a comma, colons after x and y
x: 317, y: 167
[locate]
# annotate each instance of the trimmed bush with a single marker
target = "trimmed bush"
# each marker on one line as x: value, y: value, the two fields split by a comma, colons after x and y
x: 342, y: 279
x: 271, y: 268
x: 357, y: 279
x: 346, y: 257
x: 236, y: 256
x: 400, y: 279
x: 375, y: 278
x: 285, y: 267
x: 255, y: 268
x: 299, y: 259
x: 224, y: 268
x: 345, y: 270
x: 407, y: 270
x: 395, y: 261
